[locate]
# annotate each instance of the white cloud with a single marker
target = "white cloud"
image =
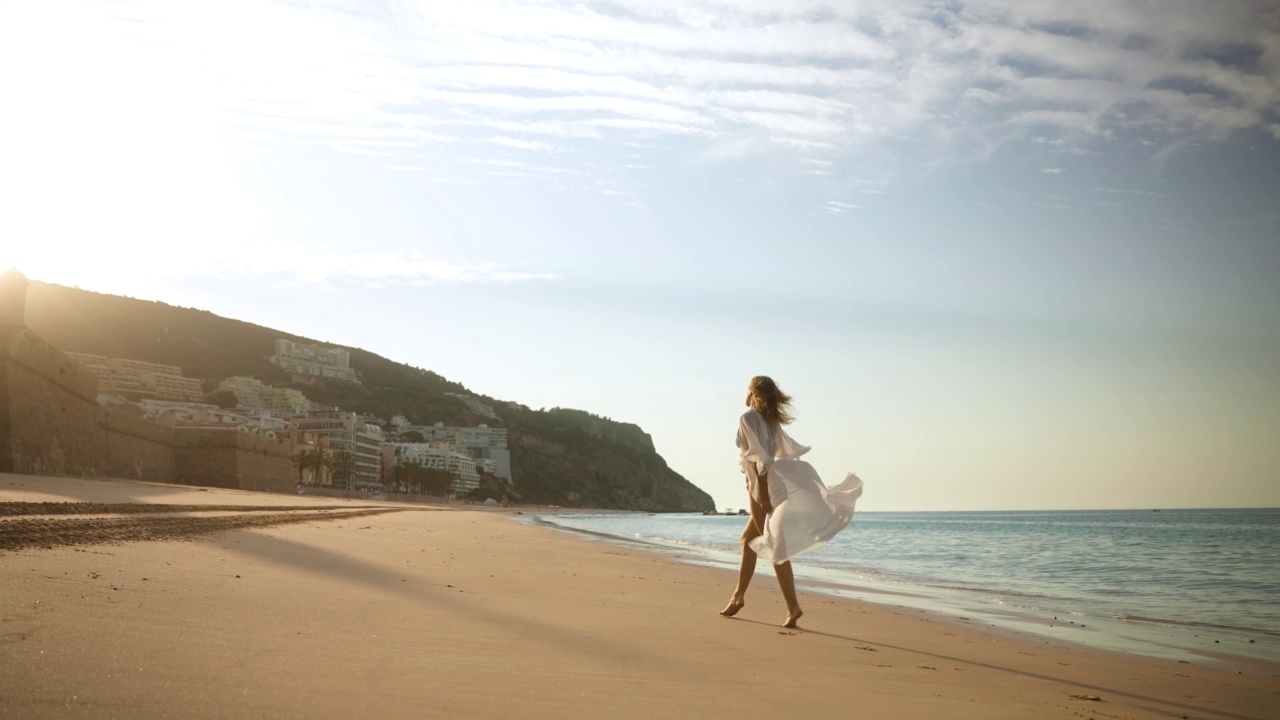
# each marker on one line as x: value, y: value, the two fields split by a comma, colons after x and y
x: 1120, y: 191
x: 313, y: 266
x: 1052, y: 171
x: 837, y: 207
x: 801, y: 144
x: 520, y: 144
x: 784, y: 76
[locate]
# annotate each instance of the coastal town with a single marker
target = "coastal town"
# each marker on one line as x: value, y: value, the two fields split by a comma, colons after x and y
x: 318, y: 448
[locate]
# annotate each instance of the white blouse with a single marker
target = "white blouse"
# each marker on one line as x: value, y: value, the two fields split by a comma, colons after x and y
x: 759, y: 445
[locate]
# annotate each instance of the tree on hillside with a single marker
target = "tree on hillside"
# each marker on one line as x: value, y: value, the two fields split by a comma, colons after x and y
x: 556, y: 453
x: 222, y: 398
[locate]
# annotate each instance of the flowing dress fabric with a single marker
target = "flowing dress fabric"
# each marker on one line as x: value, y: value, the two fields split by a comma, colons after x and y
x: 806, y: 514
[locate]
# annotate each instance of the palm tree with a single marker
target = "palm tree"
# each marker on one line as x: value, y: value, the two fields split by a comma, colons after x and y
x: 320, y: 460
x: 302, y: 461
x: 344, y: 464
x: 405, y: 474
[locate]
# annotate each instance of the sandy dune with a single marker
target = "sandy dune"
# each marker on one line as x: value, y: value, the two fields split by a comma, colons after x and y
x: 438, y: 613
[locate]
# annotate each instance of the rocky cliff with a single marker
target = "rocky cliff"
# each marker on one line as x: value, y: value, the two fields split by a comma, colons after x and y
x: 593, y: 461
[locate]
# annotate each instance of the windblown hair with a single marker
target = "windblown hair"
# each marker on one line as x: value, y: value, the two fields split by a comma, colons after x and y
x: 769, y: 401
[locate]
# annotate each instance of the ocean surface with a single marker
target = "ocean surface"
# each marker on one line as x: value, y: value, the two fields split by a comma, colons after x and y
x: 1183, y: 584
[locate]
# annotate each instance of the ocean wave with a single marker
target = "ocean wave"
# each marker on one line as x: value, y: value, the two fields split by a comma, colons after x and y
x: 1197, y: 624
x: 994, y: 591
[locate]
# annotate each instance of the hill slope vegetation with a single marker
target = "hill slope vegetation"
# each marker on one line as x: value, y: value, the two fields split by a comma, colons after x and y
x: 559, y: 456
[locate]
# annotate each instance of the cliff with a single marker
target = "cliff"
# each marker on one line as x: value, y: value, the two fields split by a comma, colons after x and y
x: 559, y: 456
x: 596, y: 462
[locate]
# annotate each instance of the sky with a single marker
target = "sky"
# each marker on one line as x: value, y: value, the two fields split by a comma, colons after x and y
x: 1004, y: 255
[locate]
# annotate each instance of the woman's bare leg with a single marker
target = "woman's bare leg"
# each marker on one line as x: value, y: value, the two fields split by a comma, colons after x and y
x: 747, y: 570
x: 787, y: 582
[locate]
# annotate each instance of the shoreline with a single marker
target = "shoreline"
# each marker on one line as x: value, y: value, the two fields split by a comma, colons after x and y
x: 1170, y: 640
x: 426, y: 611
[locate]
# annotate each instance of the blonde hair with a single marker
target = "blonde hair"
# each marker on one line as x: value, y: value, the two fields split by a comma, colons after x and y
x: 766, y: 399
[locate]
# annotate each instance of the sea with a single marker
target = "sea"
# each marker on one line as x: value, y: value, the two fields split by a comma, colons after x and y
x: 1192, y: 585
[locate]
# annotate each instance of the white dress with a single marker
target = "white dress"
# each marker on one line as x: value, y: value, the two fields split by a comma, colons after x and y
x: 806, y: 513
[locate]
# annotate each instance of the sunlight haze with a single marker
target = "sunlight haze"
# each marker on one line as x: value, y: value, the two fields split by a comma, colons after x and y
x: 1004, y: 255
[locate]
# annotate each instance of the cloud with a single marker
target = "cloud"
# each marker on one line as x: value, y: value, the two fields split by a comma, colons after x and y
x: 519, y: 144
x: 329, y: 266
x: 837, y: 207
x: 899, y: 81
x: 1052, y: 171
x: 1120, y: 191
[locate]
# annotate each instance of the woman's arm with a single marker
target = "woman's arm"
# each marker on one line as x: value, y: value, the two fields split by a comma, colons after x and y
x: 765, y: 503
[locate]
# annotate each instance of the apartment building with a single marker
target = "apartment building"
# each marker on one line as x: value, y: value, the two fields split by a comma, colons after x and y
x: 313, y: 361
x: 485, y: 445
x: 248, y: 390
x: 346, y: 431
x: 253, y: 393
x: 139, y: 380
x: 174, y: 413
x: 438, y: 456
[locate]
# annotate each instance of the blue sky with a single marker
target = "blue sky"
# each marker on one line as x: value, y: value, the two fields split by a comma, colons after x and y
x: 1004, y: 254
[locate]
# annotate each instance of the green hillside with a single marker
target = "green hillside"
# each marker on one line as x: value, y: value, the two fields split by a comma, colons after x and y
x: 566, y: 457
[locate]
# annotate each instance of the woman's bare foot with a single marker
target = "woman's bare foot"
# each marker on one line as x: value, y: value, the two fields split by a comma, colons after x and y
x: 735, y: 604
x: 793, y: 617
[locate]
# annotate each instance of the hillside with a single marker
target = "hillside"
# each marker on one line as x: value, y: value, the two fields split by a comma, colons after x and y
x: 560, y: 456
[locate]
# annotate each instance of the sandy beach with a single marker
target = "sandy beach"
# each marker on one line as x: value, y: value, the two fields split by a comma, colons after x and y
x: 345, y: 608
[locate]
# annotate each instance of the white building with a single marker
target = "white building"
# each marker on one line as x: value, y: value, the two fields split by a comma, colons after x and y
x: 138, y: 380
x: 345, y: 431
x: 183, y: 413
x: 437, y: 456
x: 481, y: 443
x: 314, y: 361
x: 248, y: 391
x: 253, y: 393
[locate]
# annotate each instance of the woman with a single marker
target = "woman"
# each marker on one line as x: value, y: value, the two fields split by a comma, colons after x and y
x: 792, y: 512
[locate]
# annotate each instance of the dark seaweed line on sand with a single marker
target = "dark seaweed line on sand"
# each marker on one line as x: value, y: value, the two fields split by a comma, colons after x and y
x: 39, y: 532
x: 10, y: 509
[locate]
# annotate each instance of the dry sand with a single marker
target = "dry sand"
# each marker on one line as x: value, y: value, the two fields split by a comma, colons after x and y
x: 444, y: 613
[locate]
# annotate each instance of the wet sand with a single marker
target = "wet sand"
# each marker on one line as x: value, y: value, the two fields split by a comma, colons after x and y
x: 432, y: 612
